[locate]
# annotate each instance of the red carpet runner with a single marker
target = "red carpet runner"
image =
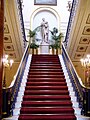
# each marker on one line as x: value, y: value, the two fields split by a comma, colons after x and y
x: 46, y: 95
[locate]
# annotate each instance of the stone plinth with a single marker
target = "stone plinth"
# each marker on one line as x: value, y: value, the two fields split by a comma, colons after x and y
x: 44, y: 48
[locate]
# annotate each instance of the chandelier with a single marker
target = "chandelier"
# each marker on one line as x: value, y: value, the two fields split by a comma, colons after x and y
x: 85, y: 62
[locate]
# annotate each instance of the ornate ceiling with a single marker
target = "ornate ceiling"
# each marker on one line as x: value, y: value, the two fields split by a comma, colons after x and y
x: 79, y: 41
x: 13, y: 40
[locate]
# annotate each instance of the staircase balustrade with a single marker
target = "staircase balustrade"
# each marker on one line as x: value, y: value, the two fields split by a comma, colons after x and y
x: 71, y: 20
x: 10, y: 93
x: 82, y: 92
x: 19, y: 7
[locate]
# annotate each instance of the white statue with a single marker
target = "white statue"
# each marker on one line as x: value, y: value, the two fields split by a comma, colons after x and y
x: 44, y: 30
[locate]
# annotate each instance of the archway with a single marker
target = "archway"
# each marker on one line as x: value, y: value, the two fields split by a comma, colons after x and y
x: 49, y: 14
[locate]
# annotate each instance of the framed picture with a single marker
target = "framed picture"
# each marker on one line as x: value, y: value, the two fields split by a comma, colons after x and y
x: 45, y: 2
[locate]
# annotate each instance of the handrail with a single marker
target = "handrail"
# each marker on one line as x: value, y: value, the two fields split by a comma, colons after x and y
x: 12, y: 83
x: 74, y: 67
x: 70, y: 22
x: 10, y: 93
x: 74, y: 76
x: 19, y: 5
x: 81, y: 91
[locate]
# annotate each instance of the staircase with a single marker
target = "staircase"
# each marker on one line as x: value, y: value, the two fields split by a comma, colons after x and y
x: 46, y: 93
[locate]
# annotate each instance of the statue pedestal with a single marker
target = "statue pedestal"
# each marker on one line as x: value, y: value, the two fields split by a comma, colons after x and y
x: 44, y: 48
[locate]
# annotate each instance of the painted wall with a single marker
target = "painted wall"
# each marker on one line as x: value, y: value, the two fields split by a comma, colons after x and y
x: 60, y: 12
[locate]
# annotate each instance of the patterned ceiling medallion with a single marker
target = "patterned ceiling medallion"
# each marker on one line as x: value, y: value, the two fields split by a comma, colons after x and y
x: 6, y: 29
x: 88, y: 19
x: 7, y: 39
x: 84, y: 40
x: 11, y: 55
x: 8, y: 47
x: 82, y: 48
x: 78, y: 55
x: 86, y: 30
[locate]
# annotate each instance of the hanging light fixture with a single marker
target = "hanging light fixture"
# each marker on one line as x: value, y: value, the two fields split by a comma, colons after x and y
x: 6, y: 63
x: 85, y: 62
